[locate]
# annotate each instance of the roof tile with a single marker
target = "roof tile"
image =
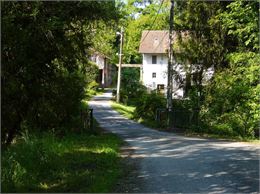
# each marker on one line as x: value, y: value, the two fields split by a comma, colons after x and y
x: 154, y: 41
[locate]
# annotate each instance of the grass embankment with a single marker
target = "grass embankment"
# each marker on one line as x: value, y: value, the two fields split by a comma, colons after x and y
x: 86, y: 161
x: 222, y: 137
x: 73, y: 163
x: 92, y: 92
x: 128, y: 111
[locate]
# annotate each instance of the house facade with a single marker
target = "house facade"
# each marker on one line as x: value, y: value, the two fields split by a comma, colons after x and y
x: 153, y: 47
x: 106, y: 70
x: 154, y: 70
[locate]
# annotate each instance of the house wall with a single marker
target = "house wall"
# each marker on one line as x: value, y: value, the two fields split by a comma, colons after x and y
x: 160, y: 69
x: 109, y: 72
x: 106, y: 70
x: 99, y: 60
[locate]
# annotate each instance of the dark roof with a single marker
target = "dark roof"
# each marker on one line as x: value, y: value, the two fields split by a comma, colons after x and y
x: 154, y: 41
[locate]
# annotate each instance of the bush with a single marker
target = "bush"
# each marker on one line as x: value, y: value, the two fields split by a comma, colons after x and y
x: 148, y: 104
x: 222, y: 129
x: 133, y: 91
x: 92, y: 86
x: 131, y: 87
x: 130, y: 94
x: 232, y: 97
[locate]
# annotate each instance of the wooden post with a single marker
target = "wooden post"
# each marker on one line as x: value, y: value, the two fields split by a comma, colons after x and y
x: 141, y: 74
x: 170, y: 64
x: 119, y: 67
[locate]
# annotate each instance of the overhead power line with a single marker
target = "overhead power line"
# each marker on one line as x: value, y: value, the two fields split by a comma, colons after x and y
x: 153, y: 20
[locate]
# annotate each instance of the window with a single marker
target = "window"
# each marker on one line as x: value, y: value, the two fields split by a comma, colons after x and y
x: 160, y: 86
x: 154, y: 59
x: 154, y: 75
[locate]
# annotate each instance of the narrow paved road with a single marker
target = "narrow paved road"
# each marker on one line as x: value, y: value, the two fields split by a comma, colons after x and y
x: 173, y: 163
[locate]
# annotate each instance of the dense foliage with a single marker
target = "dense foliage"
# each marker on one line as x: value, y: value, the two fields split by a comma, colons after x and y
x: 147, y: 105
x: 141, y: 15
x: 210, y: 34
x: 131, y: 86
x: 44, y: 62
x: 45, y: 72
x: 232, y: 97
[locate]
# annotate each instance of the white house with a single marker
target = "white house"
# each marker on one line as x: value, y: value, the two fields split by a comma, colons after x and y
x: 153, y: 47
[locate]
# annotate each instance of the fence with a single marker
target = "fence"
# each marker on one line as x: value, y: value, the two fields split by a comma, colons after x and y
x: 178, y: 119
x: 87, y: 118
x: 184, y: 119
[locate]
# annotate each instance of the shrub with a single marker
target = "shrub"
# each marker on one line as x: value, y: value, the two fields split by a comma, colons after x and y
x: 92, y: 85
x: 222, y: 129
x: 132, y: 91
x: 131, y: 87
x: 232, y: 97
x: 147, y: 104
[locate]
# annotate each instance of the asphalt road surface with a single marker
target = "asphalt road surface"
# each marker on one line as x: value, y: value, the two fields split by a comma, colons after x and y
x: 167, y: 162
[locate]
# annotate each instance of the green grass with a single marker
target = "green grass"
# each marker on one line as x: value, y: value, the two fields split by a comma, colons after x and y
x: 91, y: 93
x: 127, y: 111
x: 223, y: 137
x: 73, y: 163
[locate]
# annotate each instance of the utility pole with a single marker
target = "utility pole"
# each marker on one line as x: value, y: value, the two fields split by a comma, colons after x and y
x: 119, y: 65
x: 170, y: 62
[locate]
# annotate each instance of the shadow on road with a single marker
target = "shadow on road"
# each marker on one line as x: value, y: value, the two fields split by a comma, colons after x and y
x: 166, y: 162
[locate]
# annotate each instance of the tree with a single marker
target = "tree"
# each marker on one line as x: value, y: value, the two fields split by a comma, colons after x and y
x: 240, y: 20
x: 232, y: 96
x: 44, y: 64
x: 142, y: 15
x: 200, y: 40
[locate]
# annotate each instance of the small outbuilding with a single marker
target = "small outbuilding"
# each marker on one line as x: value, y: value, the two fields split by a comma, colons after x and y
x: 107, y: 71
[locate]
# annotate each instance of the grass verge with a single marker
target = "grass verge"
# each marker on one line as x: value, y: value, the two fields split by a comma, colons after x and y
x: 73, y: 163
x: 128, y: 111
x: 221, y: 137
x: 92, y: 92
